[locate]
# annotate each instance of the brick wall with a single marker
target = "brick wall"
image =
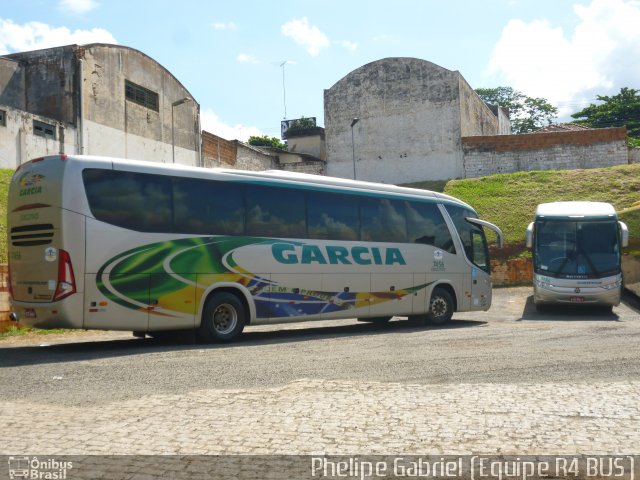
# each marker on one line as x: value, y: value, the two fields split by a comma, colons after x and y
x: 487, y: 155
x: 516, y: 271
x: 217, y: 151
x: 4, y: 298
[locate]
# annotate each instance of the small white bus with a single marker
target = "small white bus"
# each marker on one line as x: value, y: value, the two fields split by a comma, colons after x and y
x: 577, y: 253
x: 101, y: 243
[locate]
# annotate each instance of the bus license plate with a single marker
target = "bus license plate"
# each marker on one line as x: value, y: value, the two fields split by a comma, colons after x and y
x: 30, y: 313
x: 576, y: 299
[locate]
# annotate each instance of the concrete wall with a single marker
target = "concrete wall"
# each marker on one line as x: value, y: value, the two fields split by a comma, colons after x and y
x: 544, y: 151
x: 634, y: 155
x: 249, y: 158
x: 18, y: 144
x: 12, y: 83
x: 409, y: 127
x: 133, y: 130
x: 44, y: 84
x: 476, y: 118
x: 302, y: 163
x: 83, y: 90
x: 311, y: 144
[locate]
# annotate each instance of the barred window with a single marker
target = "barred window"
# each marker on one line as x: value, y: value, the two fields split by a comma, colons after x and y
x: 45, y: 130
x: 141, y: 96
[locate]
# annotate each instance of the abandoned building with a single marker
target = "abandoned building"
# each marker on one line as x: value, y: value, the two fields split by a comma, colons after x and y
x: 95, y: 99
x: 395, y: 120
x: 402, y: 120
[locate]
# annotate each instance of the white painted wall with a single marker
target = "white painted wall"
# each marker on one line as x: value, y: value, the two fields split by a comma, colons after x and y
x: 18, y: 144
x: 112, y: 142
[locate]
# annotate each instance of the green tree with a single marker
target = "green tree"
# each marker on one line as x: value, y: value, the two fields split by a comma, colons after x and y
x: 266, y: 141
x: 302, y: 123
x: 527, y: 114
x: 621, y: 110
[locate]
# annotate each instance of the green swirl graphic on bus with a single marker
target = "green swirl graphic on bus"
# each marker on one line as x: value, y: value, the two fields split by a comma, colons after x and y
x: 158, y: 277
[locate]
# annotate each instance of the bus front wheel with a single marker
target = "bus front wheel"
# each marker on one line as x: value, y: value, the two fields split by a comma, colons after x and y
x: 223, y: 318
x: 440, y: 307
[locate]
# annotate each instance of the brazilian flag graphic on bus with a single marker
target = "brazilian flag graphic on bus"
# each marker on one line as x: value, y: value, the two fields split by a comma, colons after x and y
x: 157, y: 277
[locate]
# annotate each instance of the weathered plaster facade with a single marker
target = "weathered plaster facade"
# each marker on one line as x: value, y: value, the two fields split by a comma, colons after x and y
x: 411, y: 115
x: 17, y: 139
x: 82, y: 90
x: 219, y: 152
x: 311, y: 142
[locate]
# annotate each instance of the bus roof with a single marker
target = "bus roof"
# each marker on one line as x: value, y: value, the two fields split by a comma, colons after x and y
x: 275, y: 176
x: 575, y: 210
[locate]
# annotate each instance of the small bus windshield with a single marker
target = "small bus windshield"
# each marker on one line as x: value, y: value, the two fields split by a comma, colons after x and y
x: 567, y: 249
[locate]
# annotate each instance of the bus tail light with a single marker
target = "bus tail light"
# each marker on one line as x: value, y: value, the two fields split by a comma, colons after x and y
x: 66, y: 280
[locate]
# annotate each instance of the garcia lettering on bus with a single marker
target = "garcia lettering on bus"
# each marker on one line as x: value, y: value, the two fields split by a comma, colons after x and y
x: 289, y: 254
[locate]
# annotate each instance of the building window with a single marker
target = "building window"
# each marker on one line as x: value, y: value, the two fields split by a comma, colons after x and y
x: 140, y: 95
x: 3, y: 118
x: 45, y: 130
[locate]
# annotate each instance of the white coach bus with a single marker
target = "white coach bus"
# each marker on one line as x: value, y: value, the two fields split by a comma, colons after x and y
x: 101, y: 243
x: 577, y: 253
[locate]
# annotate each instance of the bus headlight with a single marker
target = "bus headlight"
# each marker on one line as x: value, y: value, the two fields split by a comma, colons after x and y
x: 612, y: 286
x: 542, y: 283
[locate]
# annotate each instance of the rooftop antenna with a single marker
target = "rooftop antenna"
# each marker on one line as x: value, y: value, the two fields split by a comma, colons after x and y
x: 284, y: 90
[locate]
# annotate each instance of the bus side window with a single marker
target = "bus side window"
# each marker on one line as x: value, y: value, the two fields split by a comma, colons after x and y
x: 425, y: 224
x: 332, y: 216
x: 275, y: 212
x: 207, y: 207
x: 382, y: 220
x: 136, y: 201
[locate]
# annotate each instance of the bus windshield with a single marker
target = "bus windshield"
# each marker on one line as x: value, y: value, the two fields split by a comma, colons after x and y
x: 577, y: 249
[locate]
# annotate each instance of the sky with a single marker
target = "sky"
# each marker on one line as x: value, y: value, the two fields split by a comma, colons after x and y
x: 251, y: 63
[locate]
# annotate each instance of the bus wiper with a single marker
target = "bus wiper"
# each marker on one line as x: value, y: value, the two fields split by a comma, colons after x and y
x: 563, y: 264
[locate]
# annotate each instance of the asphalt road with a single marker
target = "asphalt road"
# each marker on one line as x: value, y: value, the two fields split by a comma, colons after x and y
x: 510, y: 344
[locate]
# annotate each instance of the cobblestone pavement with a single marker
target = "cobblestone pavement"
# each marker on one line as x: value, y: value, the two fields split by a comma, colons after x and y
x: 347, y: 407
x: 331, y: 417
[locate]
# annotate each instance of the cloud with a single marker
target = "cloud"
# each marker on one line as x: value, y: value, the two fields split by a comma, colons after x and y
x: 77, y: 6
x: 246, y: 58
x: 308, y: 36
x: 349, y: 45
x: 224, y: 26
x: 570, y: 68
x: 212, y: 123
x: 37, y: 35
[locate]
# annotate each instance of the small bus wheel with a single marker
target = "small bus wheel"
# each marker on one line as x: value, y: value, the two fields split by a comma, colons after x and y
x: 223, y: 318
x: 440, y: 307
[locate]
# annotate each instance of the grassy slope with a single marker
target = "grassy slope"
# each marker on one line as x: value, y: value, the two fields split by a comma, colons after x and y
x: 510, y: 200
x: 5, y: 178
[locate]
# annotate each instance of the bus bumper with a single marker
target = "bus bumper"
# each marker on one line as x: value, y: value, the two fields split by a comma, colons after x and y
x: 64, y: 314
x: 546, y: 294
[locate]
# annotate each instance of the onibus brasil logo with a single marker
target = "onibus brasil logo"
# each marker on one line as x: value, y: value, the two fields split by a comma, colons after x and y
x: 35, y: 468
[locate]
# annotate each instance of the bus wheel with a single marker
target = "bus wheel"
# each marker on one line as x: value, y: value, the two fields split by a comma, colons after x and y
x: 440, y: 307
x: 223, y: 318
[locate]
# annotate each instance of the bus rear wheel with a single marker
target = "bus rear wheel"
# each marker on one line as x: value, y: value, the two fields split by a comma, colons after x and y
x: 223, y: 318
x: 440, y: 307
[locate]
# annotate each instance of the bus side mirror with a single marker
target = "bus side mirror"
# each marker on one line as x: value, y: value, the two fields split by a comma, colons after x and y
x: 624, y: 234
x: 528, y: 236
